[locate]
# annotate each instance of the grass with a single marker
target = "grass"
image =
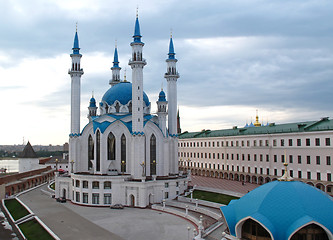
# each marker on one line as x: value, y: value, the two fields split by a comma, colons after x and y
x: 52, y: 186
x: 16, y: 209
x: 212, y: 197
x: 32, y: 230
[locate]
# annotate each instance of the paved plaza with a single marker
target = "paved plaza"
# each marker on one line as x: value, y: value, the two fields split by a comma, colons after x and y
x: 70, y: 221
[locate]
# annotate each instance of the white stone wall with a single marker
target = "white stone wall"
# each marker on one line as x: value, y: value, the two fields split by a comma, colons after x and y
x: 29, y: 164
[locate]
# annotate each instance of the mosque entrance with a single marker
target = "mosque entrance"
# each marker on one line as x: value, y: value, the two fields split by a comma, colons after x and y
x: 132, y: 200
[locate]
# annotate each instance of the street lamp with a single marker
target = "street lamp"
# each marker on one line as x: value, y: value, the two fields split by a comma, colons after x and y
x: 122, y: 167
x: 143, y: 168
x: 72, y: 164
x: 56, y: 162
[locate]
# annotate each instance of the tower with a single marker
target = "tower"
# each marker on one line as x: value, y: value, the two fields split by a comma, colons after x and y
x: 115, y: 69
x: 75, y: 72
x: 137, y: 63
x: 92, y: 108
x: 171, y: 76
x: 179, y: 130
x: 162, y: 111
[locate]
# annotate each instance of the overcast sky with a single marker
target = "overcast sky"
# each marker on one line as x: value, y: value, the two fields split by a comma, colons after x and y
x: 233, y: 57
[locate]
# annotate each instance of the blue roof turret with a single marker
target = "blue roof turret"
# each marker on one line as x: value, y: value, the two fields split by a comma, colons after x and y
x: 76, y: 48
x: 115, y: 59
x: 137, y: 36
x: 161, y: 96
x: 92, y: 102
x: 171, y: 50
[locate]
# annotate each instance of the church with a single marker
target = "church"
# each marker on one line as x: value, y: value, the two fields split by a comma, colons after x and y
x: 124, y: 155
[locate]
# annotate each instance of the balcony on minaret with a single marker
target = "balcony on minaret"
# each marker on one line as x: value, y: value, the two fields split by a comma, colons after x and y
x: 172, y: 72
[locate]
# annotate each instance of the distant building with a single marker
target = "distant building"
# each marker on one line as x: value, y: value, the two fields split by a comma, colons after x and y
x: 254, y: 154
x: 126, y: 154
x: 28, y: 160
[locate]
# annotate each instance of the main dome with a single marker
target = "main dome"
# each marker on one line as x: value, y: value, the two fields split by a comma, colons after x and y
x: 121, y: 92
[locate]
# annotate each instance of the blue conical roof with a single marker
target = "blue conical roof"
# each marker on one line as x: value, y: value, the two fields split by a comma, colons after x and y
x: 171, y: 50
x: 115, y: 58
x: 137, y: 36
x: 76, y: 48
x: 161, y: 96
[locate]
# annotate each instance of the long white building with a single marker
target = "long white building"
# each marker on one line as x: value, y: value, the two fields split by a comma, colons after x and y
x: 256, y: 153
x: 125, y: 155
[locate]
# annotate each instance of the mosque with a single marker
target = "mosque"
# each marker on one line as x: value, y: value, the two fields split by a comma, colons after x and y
x: 125, y: 155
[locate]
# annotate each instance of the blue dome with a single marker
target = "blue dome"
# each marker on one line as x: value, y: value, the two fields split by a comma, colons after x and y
x: 92, y: 102
x: 161, y: 96
x: 123, y: 93
x: 282, y: 207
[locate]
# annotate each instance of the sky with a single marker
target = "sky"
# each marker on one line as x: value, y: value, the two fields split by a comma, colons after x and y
x: 234, y: 57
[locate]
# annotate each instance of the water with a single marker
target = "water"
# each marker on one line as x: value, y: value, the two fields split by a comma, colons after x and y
x: 10, y: 164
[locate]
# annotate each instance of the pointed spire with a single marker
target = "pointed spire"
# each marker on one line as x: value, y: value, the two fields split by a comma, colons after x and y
x: 137, y: 36
x: 171, y: 49
x: 76, y: 48
x: 115, y: 57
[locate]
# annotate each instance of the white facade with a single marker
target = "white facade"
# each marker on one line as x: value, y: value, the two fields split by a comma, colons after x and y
x: 125, y: 155
x: 258, y: 156
x: 29, y: 164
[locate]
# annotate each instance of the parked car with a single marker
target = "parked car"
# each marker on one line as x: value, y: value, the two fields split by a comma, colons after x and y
x: 117, y: 206
x: 61, y: 199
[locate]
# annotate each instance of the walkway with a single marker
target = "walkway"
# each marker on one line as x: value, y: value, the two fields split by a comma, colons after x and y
x: 71, y: 221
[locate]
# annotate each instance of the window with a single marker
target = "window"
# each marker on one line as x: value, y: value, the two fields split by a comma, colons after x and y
x: 243, y: 157
x: 95, y: 185
x: 261, y: 157
x: 299, y: 157
x: 208, y: 144
x: 254, y: 143
x: 111, y: 147
x: 267, y: 158
x: 166, y: 195
x: 177, y: 184
x: 291, y: 173
x: 236, y: 143
x: 209, y: 155
x: 217, y: 144
x: 329, y: 177
x: 166, y: 185
x: 85, y: 198
x: 227, y: 143
x: 274, y: 142
x: 85, y: 184
x: 98, y: 151
x: 242, y: 143
x: 282, y: 159
x: 213, y: 144
x: 290, y: 142
x: 232, y: 143
x: 290, y: 158
x: 328, y: 160
x: 266, y: 143
x: 309, y: 175
x: 90, y: 151
x: 260, y: 143
x: 222, y: 155
x: 153, y: 155
x: 275, y: 172
x: 255, y: 170
x: 227, y: 156
x: 308, y: 160
x: 318, y: 160
x: 95, y: 198
x: 248, y: 157
x: 123, y: 153
x: 77, y: 196
x: 317, y: 141
x: 248, y: 143
x: 267, y: 171
x: 307, y: 142
x: 299, y: 142
x: 77, y: 183
x: 249, y: 169
x: 282, y: 142
x: 318, y: 176
x: 237, y: 156
x: 328, y: 141
x: 107, y: 185
x: 255, y: 157
x: 107, y: 198
x: 275, y: 158
x: 299, y: 174
x: 232, y: 156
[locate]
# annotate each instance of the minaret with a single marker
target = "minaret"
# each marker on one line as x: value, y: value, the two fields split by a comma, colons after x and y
x: 75, y: 72
x: 137, y: 63
x: 162, y: 111
x: 115, y: 69
x: 171, y: 76
x: 92, y: 108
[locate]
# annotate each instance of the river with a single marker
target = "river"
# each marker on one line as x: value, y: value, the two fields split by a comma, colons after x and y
x: 12, y: 165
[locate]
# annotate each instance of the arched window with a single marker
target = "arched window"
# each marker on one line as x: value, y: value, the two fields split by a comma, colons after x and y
x: 311, y: 231
x: 251, y: 230
x: 117, y: 107
x: 153, y: 155
x: 123, y: 153
x: 90, y: 151
x: 130, y: 107
x: 111, y: 147
x: 98, y: 151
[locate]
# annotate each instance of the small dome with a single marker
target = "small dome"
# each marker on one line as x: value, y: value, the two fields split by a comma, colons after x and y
x: 92, y: 102
x: 123, y: 93
x: 161, y: 96
x: 282, y: 207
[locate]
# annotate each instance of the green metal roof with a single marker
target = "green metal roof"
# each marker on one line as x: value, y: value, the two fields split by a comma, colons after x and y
x: 323, y: 124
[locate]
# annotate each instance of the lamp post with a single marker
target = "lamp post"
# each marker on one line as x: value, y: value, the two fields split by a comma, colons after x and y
x: 188, y: 233
x: 122, y: 167
x: 72, y: 164
x: 143, y: 168
x: 56, y: 162
x: 153, y: 168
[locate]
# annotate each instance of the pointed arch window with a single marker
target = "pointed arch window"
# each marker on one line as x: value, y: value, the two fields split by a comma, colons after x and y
x: 111, y: 147
x: 311, y: 231
x: 98, y: 151
x: 130, y: 107
x: 117, y: 107
x: 90, y: 151
x: 153, y: 155
x: 123, y: 153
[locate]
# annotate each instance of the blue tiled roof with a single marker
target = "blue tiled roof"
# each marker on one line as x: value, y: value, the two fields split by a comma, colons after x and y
x: 171, y: 50
x: 115, y: 59
x: 76, y: 47
x: 161, y: 96
x: 92, y: 102
x: 123, y: 93
x: 282, y: 207
x: 137, y: 35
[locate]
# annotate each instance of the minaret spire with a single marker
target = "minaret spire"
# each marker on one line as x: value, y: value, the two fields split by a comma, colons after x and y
x: 115, y: 68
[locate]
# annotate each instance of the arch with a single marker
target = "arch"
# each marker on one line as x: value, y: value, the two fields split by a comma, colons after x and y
x: 242, y: 178
x: 260, y: 180
x: 199, y: 172
x: 267, y: 180
x: 123, y: 153
x: 216, y: 174
x: 236, y: 177
x: 254, y: 179
x: 111, y: 147
x: 250, y: 228
x: 320, y: 186
x: 231, y: 176
x: 226, y: 175
x: 151, y: 199
x: 274, y: 179
x: 211, y: 174
x: 203, y: 173
x: 117, y: 107
x: 98, y: 151
x: 132, y: 200
x: 90, y: 151
x: 310, y: 183
x: 248, y: 178
x: 153, y: 155
x: 311, y: 230
x: 329, y: 189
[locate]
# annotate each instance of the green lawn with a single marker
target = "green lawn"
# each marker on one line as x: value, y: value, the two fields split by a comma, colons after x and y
x: 212, y: 197
x: 16, y: 209
x: 52, y: 186
x: 32, y: 230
